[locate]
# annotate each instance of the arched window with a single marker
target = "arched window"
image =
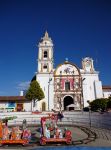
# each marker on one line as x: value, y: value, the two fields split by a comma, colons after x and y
x: 67, y: 85
x: 45, y: 66
x: 45, y: 54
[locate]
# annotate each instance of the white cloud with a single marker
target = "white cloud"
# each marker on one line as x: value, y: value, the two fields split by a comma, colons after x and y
x: 23, y: 85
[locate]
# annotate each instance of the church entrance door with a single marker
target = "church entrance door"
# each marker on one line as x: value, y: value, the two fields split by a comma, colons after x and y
x: 67, y: 101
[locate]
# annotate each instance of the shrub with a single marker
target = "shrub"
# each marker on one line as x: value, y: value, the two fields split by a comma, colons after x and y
x: 86, y: 109
x: 99, y: 104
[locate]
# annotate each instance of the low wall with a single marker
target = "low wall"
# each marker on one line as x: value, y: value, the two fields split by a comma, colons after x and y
x: 32, y: 118
x: 78, y: 118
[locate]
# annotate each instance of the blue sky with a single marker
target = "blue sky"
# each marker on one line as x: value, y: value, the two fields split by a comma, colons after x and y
x: 78, y: 28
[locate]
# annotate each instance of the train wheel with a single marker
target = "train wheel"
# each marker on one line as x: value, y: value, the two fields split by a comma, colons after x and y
x: 69, y: 141
x: 43, y: 141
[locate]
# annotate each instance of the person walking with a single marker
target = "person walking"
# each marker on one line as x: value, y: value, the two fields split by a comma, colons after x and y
x: 60, y: 116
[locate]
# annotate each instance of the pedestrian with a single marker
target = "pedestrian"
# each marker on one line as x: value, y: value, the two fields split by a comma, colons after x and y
x: 24, y: 124
x: 60, y: 116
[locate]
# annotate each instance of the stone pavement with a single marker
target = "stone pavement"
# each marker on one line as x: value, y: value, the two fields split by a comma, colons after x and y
x: 103, y: 138
x: 102, y: 133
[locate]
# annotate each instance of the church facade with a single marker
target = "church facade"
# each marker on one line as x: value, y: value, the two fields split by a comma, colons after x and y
x: 67, y: 86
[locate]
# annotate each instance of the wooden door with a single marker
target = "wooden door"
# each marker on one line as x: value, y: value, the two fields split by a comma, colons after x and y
x: 19, y: 107
x: 43, y: 106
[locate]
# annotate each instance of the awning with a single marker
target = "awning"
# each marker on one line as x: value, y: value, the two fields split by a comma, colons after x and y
x: 71, y: 105
x: 10, y: 108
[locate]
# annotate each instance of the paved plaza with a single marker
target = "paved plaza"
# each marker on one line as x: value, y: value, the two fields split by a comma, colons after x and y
x: 84, y: 134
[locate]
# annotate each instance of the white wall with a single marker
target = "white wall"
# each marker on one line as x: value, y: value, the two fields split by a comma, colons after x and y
x: 98, y: 89
x: 89, y: 88
x: 106, y: 94
x: 43, y: 80
x: 2, y: 106
x: 27, y: 106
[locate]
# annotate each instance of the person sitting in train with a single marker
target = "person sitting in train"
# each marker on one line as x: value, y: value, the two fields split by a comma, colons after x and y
x: 5, y: 132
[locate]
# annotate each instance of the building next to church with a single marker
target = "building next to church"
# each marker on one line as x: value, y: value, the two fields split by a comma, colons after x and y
x: 66, y: 87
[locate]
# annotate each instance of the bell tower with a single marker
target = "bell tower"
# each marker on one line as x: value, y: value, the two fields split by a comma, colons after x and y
x: 45, y: 54
x: 44, y: 73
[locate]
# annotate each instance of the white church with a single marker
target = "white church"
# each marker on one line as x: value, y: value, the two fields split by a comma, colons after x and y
x: 67, y: 86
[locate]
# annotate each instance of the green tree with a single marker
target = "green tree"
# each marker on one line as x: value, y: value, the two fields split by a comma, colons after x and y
x: 99, y: 104
x: 34, y: 92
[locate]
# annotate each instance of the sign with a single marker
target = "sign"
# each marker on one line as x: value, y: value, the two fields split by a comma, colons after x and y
x: 11, y: 104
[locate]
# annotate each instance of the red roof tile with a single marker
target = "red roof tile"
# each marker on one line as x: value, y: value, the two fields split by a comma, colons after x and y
x: 107, y: 87
x: 12, y: 98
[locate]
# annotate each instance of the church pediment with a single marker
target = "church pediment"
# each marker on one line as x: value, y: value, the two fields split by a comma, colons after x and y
x: 67, y: 69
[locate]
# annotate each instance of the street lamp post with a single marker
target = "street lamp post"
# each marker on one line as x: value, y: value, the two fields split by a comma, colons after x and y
x: 73, y: 86
x: 60, y: 87
x: 89, y: 114
x: 82, y: 100
x: 50, y: 79
x: 48, y: 95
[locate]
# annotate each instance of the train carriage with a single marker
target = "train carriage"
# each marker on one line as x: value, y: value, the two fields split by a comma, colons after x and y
x: 51, y: 133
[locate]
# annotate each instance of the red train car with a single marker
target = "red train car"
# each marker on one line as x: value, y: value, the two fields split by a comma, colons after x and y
x: 14, y: 135
x: 51, y: 133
